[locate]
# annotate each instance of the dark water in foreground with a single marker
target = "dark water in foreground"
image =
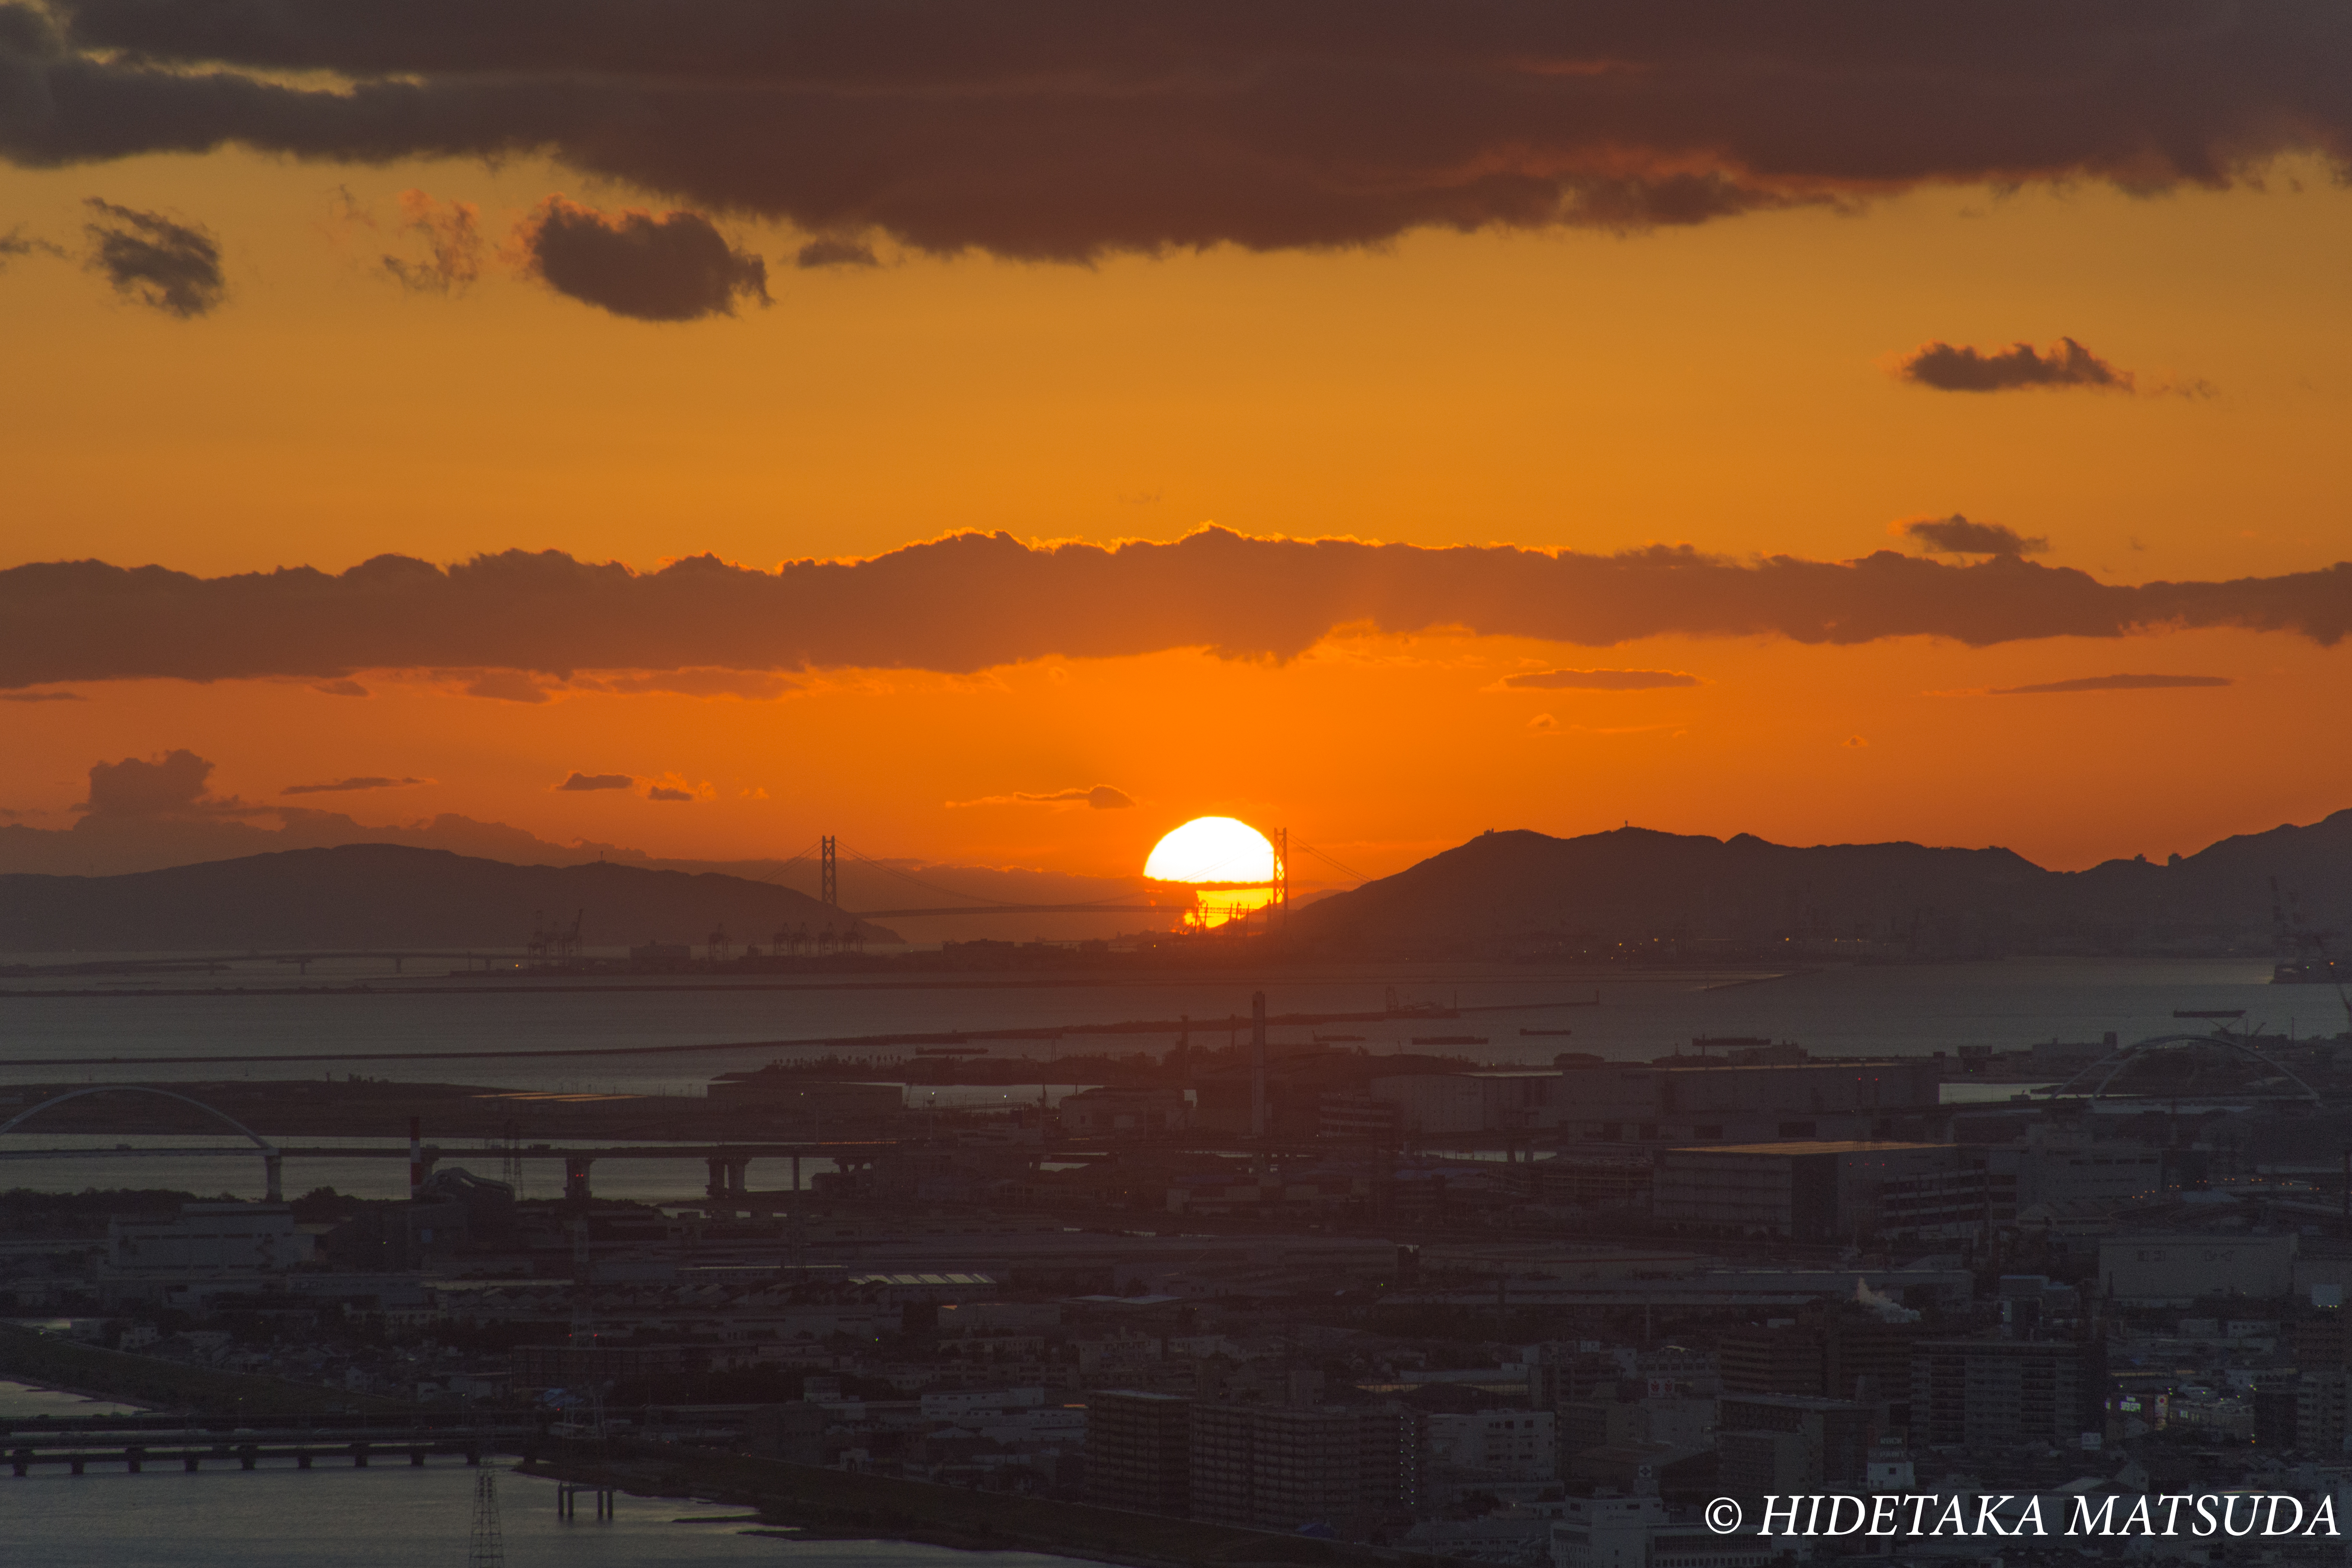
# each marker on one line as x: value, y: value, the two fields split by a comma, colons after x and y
x: 386, y: 1516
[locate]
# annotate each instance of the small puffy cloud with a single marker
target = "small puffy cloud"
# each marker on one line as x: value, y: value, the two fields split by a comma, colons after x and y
x: 674, y: 267
x: 1100, y: 797
x: 40, y: 697
x: 171, y: 784
x: 1958, y: 535
x: 169, y: 267
x: 340, y: 786
x: 1595, y: 681
x: 677, y: 786
x: 2019, y: 366
x: 451, y: 236
x: 1854, y: 743
x: 836, y: 253
x: 1544, y: 724
x: 341, y: 688
x: 580, y: 782
x: 2114, y: 683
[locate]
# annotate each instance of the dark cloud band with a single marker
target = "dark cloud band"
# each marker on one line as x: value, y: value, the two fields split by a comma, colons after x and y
x: 1055, y: 128
x: 972, y: 601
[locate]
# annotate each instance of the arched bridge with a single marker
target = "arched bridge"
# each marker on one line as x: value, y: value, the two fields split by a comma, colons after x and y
x: 2093, y: 1080
x: 272, y: 1162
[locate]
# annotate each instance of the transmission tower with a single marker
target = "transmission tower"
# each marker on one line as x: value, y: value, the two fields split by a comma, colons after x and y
x: 488, y: 1547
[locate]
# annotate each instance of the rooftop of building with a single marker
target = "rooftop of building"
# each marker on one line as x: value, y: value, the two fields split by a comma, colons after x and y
x: 1798, y: 1402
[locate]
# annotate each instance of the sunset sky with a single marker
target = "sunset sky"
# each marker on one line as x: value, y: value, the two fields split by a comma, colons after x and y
x: 1620, y: 377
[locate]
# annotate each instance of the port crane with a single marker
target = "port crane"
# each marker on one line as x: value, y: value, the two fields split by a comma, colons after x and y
x: 2304, y: 957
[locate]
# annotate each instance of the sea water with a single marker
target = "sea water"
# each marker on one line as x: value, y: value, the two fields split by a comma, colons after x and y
x: 422, y: 1517
x: 56, y: 1032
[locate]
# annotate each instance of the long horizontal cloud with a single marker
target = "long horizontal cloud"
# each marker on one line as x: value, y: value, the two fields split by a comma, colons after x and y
x: 1958, y: 535
x: 1055, y: 128
x: 972, y: 601
x: 2113, y: 683
x: 1596, y: 680
x: 580, y: 781
x: 340, y: 786
x: 1099, y: 797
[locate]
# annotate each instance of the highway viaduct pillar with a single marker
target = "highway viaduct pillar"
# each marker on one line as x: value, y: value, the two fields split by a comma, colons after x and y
x: 726, y: 1180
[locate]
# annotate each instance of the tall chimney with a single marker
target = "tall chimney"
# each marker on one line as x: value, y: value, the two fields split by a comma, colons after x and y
x: 1257, y: 1065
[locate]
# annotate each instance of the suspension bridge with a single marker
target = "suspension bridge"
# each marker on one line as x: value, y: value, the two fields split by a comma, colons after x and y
x: 828, y: 852
x: 552, y: 941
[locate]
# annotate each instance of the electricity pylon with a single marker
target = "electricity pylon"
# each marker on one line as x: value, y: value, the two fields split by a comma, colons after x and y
x: 488, y: 1549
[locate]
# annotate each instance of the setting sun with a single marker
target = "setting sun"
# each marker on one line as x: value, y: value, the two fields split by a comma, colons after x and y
x: 1218, y: 849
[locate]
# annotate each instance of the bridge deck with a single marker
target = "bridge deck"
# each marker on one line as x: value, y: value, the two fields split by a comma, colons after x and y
x: 136, y: 1457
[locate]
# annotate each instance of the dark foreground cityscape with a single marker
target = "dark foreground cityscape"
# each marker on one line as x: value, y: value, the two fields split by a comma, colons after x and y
x: 1263, y: 1300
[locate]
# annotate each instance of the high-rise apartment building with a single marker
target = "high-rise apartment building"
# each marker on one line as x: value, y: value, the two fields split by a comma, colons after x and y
x: 1140, y: 1451
x: 1280, y: 1467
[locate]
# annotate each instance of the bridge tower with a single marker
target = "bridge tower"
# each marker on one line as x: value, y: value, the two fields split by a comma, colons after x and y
x: 1282, y: 871
x: 828, y: 873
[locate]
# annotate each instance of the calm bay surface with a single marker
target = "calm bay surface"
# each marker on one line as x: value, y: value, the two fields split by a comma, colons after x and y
x: 435, y: 1029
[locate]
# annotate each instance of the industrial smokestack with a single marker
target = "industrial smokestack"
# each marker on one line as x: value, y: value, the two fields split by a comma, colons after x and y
x: 416, y: 1158
x: 1257, y: 1065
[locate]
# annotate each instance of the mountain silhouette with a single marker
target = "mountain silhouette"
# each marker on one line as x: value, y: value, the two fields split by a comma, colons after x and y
x: 391, y: 896
x: 1634, y: 884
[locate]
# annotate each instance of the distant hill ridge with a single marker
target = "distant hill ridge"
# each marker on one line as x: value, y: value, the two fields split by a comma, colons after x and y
x: 390, y: 896
x: 1632, y: 882
x: 1501, y: 887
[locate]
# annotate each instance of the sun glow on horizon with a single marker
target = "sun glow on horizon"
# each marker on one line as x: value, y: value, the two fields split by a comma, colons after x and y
x: 1212, y: 849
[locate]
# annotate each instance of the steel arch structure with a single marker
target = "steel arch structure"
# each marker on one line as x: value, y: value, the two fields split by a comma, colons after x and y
x: 267, y: 1150
x: 2127, y: 1057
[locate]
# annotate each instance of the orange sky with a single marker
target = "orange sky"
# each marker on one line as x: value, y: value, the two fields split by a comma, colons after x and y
x: 1723, y: 385
x: 1728, y: 385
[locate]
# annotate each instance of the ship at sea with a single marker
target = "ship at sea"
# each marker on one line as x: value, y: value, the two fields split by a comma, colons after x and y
x: 2310, y: 972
